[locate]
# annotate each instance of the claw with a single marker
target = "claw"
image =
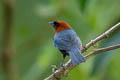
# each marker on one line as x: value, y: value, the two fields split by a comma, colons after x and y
x: 62, y: 65
x: 54, y: 68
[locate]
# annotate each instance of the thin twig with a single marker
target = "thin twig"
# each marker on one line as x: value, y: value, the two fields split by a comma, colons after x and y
x: 100, y: 50
x: 102, y: 36
x: 61, y: 72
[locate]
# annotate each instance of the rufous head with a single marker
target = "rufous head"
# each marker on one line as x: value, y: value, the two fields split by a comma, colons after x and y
x: 59, y: 26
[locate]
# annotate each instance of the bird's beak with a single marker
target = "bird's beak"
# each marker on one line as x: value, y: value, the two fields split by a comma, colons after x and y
x: 51, y: 23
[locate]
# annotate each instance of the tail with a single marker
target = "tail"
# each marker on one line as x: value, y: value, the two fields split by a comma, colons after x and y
x: 76, y: 56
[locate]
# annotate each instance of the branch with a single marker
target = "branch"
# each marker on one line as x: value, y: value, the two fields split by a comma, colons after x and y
x: 102, y: 36
x: 100, y: 50
x: 61, y: 72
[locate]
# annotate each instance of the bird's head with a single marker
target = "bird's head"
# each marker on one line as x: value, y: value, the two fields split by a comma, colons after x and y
x: 59, y: 26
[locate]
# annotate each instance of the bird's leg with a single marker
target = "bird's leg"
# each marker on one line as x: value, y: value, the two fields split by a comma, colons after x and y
x: 62, y: 63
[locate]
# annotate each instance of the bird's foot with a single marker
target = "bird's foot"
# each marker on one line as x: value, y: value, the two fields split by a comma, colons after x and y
x: 62, y: 65
x: 54, y: 68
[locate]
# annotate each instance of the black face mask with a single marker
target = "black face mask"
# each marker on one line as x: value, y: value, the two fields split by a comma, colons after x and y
x: 54, y: 24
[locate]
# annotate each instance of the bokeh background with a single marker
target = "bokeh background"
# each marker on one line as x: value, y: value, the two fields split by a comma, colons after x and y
x: 33, y: 52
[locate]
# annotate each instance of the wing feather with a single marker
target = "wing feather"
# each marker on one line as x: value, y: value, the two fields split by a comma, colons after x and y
x: 65, y: 40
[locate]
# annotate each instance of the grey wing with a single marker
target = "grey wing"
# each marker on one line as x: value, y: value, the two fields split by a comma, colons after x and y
x: 78, y: 43
x: 65, y: 42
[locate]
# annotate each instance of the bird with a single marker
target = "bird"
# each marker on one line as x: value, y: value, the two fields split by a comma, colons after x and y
x: 67, y: 42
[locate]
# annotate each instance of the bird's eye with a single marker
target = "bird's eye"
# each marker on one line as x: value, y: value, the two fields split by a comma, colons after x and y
x: 56, y: 23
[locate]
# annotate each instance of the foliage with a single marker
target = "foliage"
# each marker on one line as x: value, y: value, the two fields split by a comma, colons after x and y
x: 32, y: 37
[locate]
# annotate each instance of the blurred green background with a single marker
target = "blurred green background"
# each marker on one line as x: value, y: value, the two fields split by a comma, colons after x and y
x: 32, y: 37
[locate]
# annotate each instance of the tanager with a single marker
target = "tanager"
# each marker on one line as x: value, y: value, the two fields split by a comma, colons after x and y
x: 67, y: 42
